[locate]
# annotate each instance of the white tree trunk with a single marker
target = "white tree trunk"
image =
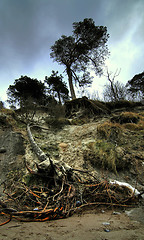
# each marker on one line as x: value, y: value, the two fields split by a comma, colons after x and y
x: 46, y: 164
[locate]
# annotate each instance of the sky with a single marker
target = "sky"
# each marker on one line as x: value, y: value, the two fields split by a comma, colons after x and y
x: 28, y: 28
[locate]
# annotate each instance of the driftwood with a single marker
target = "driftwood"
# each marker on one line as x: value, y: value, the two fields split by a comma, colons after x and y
x: 41, y: 203
x: 47, y: 165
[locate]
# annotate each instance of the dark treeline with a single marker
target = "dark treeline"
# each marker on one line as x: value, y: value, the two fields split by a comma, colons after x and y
x: 27, y: 91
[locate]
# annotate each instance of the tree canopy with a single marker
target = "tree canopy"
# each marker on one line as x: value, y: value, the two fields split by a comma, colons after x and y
x: 86, y: 49
x: 56, y: 85
x: 25, y: 89
x: 136, y: 84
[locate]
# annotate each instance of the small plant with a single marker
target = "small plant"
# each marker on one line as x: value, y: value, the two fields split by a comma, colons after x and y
x: 7, y: 117
x: 106, y: 155
x: 130, y: 120
x: 126, y: 117
x: 110, y: 131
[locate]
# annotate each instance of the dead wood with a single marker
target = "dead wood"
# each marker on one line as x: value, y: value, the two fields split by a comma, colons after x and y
x: 71, y: 189
x: 47, y: 165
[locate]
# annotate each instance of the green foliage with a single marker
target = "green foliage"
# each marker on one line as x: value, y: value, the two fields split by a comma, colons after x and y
x: 104, y: 154
x: 85, y: 49
x: 136, y: 84
x: 56, y: 84
x: 26, y: 90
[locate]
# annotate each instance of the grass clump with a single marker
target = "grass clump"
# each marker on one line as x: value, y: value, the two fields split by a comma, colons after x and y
x: 126, y: 117
x: 7, y: 118
x: 130, y: 120
x: 110, y: 131
x: 135, y: 127
x: 106, y: 155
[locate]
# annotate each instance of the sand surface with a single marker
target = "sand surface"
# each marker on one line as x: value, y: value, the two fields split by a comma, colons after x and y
x: 94, y: 225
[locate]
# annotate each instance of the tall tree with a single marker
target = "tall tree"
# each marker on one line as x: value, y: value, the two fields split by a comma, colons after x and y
x: 136, y: 85
x: 26, y: 89
x: 57, y: 85
x: 86, y: 49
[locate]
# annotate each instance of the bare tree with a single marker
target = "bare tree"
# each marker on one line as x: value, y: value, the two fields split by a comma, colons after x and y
x: 114, y: 91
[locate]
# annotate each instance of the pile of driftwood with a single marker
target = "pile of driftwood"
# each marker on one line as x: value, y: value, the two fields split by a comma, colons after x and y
x: 43, y: 202
x: 58, y: 191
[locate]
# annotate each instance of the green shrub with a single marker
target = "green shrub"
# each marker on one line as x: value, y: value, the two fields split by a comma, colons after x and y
x: 106, y: 155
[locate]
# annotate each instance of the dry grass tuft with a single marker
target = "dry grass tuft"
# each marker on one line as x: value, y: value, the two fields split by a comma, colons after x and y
x: 130, y: 120
x: 109, y: 131
x: 7, y: 118
x: 106, y: 155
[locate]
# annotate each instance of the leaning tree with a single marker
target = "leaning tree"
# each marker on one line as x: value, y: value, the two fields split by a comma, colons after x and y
x: 85, y: 50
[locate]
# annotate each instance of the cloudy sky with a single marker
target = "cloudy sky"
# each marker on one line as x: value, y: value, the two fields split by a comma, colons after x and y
x: 28, y: 28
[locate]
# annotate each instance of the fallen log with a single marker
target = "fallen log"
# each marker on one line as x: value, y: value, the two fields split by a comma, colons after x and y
x: 47, y: 165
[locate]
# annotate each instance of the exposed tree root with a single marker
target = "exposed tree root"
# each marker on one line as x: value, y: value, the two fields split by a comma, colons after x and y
x: 58, y: 191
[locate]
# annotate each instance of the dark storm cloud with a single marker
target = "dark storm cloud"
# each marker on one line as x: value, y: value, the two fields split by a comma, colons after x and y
x: 19, y: 40
x: 28, y: 28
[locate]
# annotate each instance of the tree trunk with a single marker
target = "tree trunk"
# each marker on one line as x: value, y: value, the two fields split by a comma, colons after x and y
x: 69, y: 73
x: 47, y: 165
x: 40, y: 154
x: 59, y: 97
